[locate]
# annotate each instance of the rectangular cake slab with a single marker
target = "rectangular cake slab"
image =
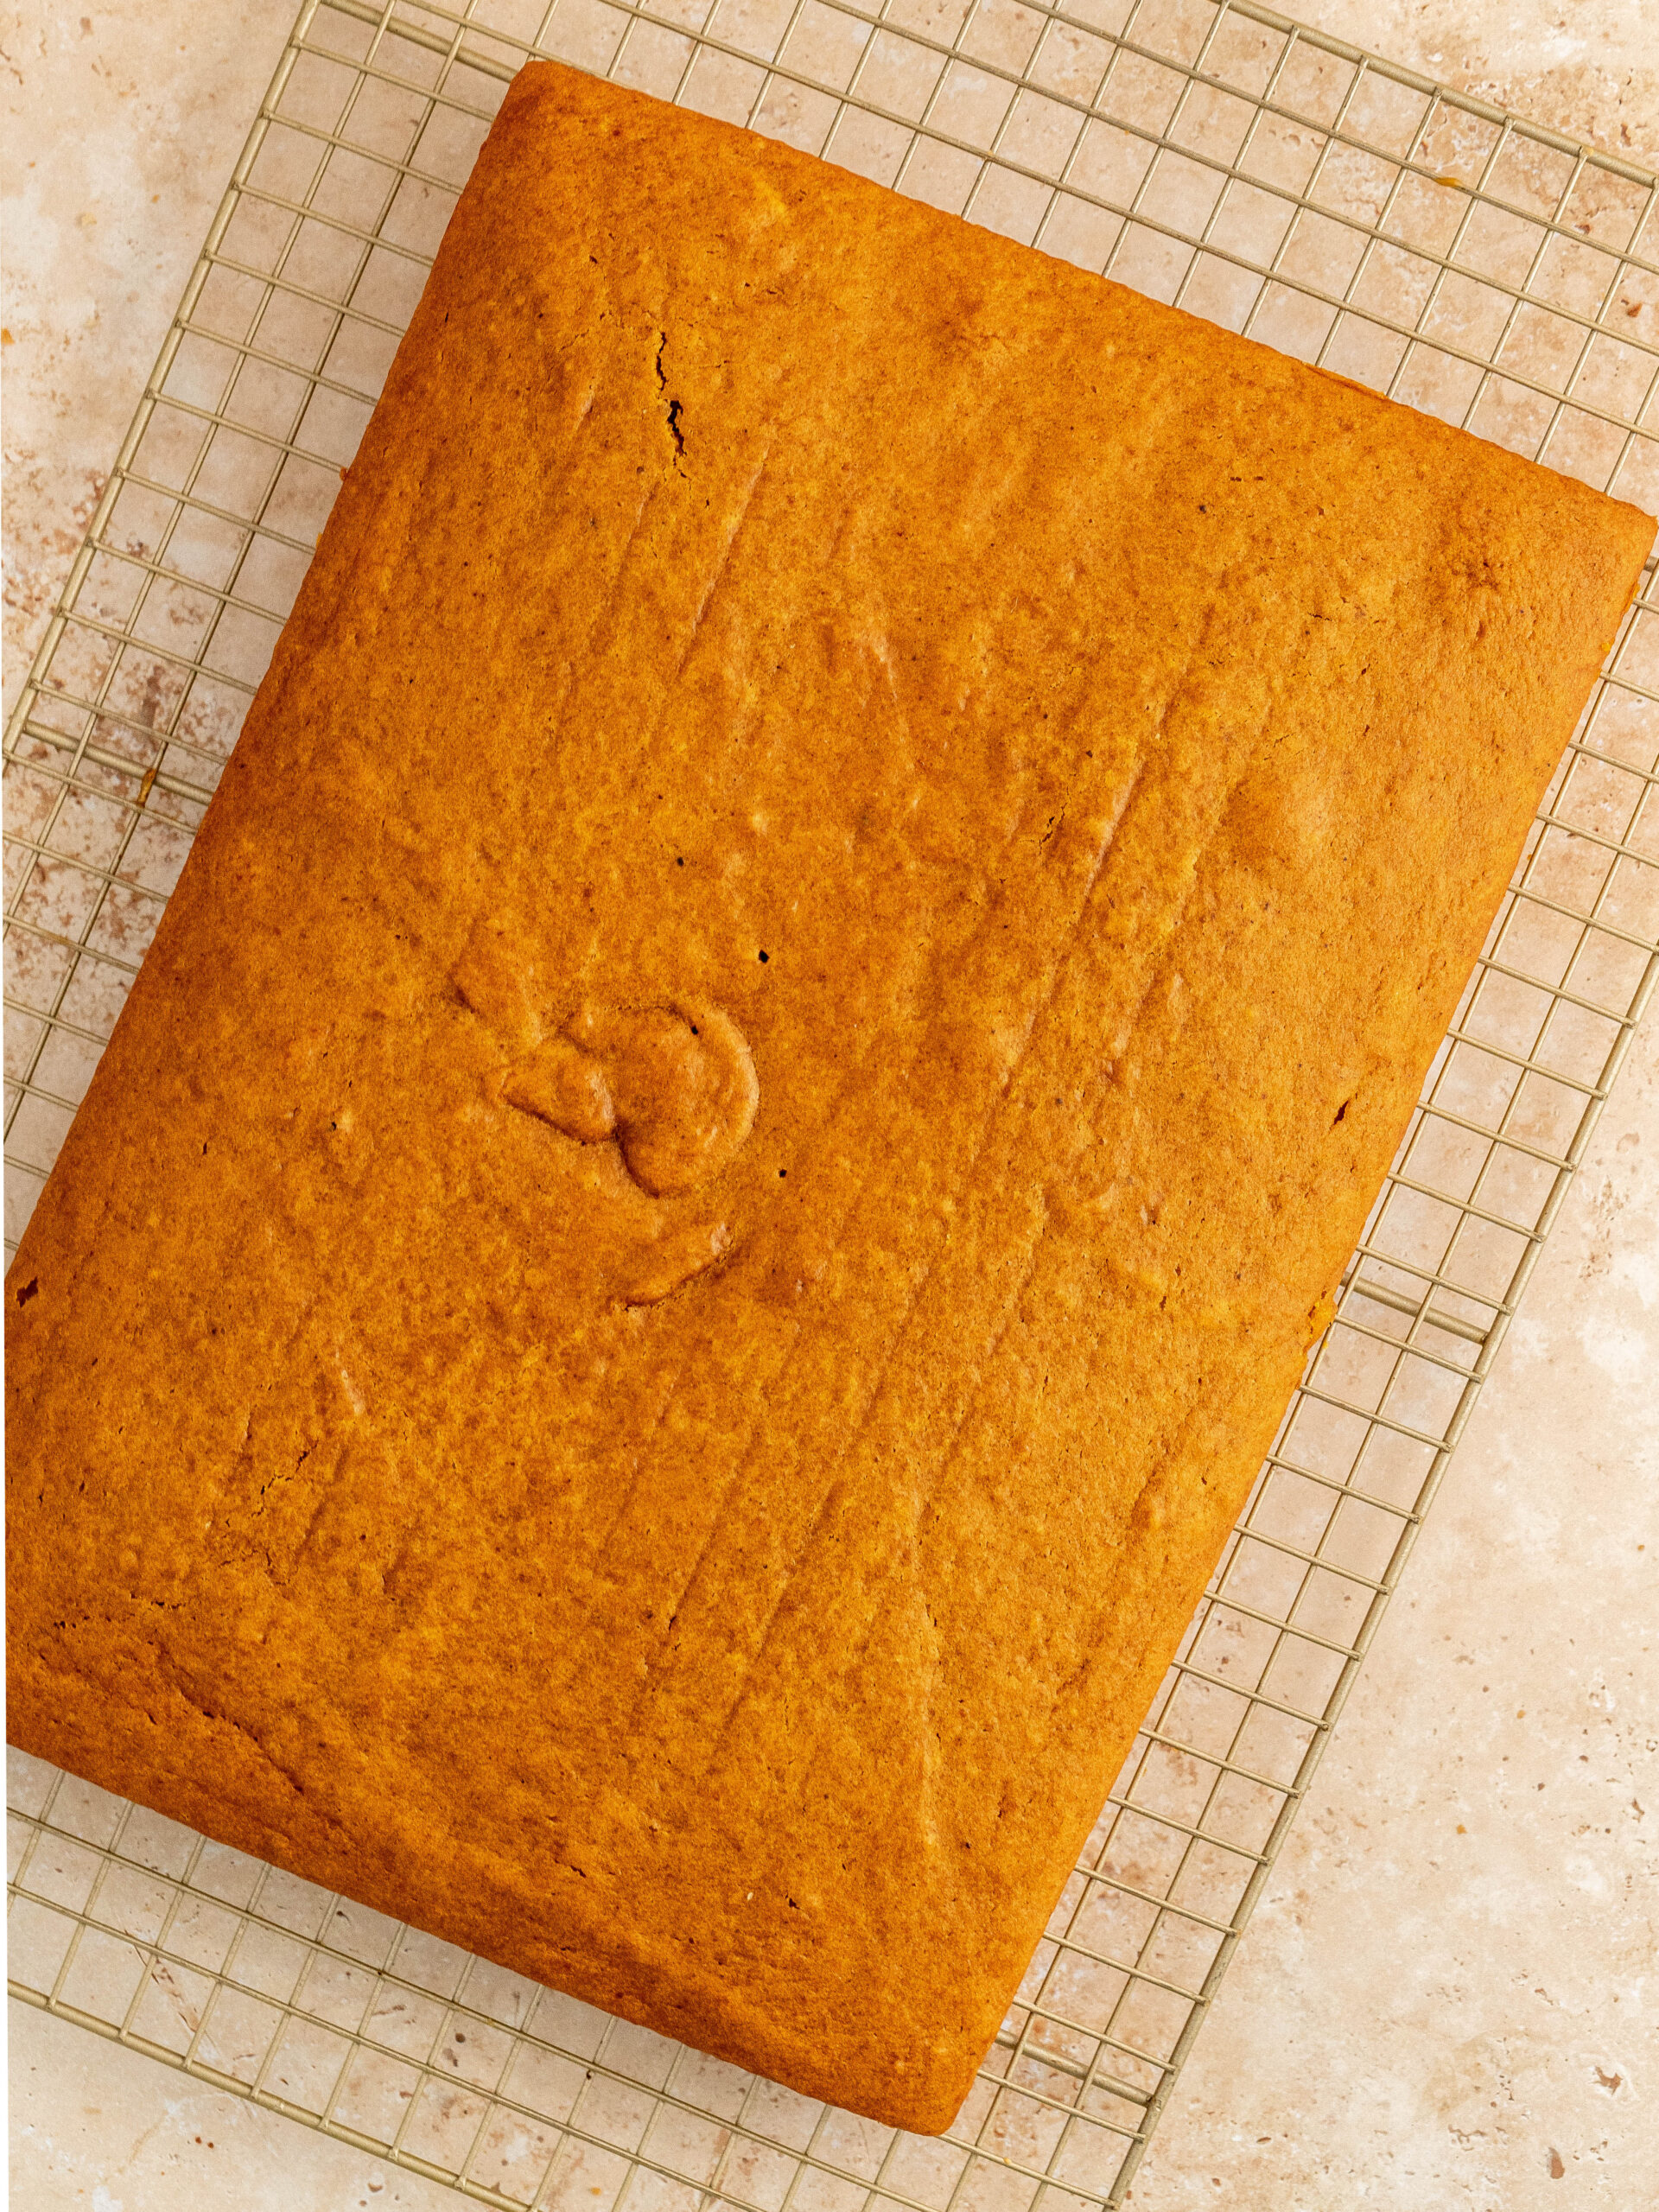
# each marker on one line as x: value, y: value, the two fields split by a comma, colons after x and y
x: 757, y: 1082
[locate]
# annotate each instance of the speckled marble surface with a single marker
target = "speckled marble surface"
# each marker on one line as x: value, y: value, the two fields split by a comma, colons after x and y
x: 1450, y: 1994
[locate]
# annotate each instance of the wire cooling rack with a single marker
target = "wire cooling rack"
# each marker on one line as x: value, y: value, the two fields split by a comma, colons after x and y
x: 1216, y: 155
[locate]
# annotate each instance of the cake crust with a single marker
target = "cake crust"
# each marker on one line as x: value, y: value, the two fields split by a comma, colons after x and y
x: 756, y: 1084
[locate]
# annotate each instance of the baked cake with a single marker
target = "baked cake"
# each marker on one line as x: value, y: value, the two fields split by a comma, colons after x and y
x: 759, y: 1081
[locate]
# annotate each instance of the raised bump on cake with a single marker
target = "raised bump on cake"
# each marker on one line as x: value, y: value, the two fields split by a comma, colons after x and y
x: 564, y: 1086
x: 676, y: 1085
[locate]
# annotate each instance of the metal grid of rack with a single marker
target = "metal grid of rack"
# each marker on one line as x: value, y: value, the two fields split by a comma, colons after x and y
x: 1213, y: 155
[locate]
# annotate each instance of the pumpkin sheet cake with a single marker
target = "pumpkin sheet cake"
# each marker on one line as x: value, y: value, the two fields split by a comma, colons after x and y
x: 758, y: 1083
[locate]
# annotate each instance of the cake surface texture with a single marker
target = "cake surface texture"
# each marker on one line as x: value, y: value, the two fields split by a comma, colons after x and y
x: 758, y: 1082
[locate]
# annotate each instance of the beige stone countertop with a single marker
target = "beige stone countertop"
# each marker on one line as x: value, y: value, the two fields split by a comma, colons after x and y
x: 1449, y: 1996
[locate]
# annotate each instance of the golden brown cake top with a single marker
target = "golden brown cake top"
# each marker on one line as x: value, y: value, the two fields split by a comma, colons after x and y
x: 759, y: 1077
